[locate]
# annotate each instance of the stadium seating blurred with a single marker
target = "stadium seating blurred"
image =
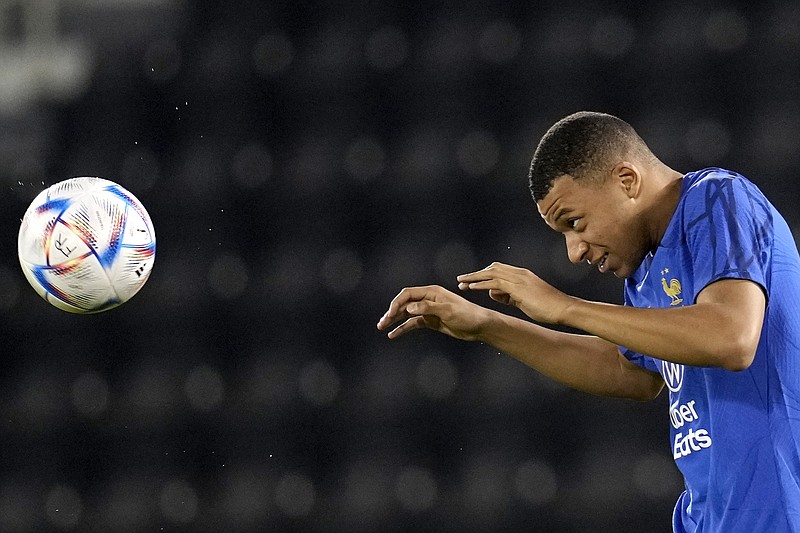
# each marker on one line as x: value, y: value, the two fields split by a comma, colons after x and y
x: 302, y: 162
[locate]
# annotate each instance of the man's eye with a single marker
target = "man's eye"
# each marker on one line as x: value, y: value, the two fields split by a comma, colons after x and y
x: 573, y: 223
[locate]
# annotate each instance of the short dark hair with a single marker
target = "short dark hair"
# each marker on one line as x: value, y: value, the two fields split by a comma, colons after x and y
x: 580, y: 146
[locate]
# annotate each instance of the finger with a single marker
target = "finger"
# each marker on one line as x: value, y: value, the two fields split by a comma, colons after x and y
x: 490, y: 271
x: 482, y: 285
x: 480, y: 275
x: 401, y: 314
x: 474, y: 276
x: 385, y: 321
x: 415, y: 322
x: 499, y: 296
x: 467, y: 281
x: 479, y: 285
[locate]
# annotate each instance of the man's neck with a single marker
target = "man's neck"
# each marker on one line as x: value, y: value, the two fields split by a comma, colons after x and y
x: 664, y: 203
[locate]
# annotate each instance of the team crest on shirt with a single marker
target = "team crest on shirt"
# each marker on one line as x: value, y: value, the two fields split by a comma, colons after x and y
x: 673, y: 288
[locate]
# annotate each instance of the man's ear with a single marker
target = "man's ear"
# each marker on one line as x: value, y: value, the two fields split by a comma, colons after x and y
x: 627, y: 175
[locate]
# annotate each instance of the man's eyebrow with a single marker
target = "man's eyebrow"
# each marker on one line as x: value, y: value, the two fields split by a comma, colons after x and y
x: 560, y: 213
x: 554, y: 207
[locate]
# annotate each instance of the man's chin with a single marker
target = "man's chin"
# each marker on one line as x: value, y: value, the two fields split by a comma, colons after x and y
x: 622, y: 272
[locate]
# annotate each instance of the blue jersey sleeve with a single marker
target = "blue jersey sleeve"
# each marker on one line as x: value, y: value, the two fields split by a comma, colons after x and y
x: 728, y: 225
x: 643, y: 361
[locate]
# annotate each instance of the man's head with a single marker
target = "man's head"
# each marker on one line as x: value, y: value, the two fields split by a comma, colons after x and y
x: 584, y: 146
x: 595, y: 181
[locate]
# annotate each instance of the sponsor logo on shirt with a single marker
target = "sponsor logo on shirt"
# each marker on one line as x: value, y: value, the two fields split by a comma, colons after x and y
x: 695, y: 439
x: 673, y: 375
x: 688, y: 439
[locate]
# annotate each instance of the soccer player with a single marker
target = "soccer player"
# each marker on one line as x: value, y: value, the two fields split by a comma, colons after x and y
x: 712, y: 310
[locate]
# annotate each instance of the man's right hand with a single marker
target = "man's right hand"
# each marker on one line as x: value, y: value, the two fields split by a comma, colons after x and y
x: 433, y: 307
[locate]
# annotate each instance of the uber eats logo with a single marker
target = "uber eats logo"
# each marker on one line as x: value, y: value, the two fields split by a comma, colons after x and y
x: 683, y: 416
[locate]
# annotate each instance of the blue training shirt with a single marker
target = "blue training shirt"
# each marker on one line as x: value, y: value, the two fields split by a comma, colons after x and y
x: 735, y: 436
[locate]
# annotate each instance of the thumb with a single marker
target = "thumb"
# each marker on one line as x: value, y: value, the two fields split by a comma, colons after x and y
x: 499, y: 296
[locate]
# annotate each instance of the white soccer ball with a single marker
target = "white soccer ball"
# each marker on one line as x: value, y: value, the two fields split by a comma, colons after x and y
x: 86, y: 245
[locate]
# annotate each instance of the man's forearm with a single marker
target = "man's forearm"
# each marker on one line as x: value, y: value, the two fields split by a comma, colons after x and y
x: 583, y: 362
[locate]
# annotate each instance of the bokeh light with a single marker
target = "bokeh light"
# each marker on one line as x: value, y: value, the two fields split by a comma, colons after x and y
x: 204, y: 388
x: 64, y: 507
x: 295, y: 495
x: 416, y: 489
x: 178, y: 501
x: 90, y: 394
x: 726, y: 31
x: 437, y: 376
x: 535, y: 482
x: 319, y: 383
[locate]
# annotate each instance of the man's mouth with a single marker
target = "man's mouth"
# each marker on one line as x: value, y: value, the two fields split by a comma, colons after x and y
x: 601, y: 266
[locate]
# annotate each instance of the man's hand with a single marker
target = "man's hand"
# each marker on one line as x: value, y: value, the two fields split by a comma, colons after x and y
x: 521, y: 288
x: 435, y: 308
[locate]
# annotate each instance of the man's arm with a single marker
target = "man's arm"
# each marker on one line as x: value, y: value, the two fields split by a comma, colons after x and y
x: 583, y: 362
x: 721, y: 329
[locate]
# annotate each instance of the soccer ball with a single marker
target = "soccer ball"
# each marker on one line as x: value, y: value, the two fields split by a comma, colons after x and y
x: 86, y: 245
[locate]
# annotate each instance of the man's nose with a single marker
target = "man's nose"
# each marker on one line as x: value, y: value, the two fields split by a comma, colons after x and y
x: 576, y: 248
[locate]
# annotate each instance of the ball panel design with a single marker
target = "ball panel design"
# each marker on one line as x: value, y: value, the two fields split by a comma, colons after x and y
x: 79, y: 286
x: 132, y: 270
x: 138, y: 228
x: 62, y: 245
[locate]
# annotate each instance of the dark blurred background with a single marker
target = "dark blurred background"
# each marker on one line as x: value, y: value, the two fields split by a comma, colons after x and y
x: 302, y: 162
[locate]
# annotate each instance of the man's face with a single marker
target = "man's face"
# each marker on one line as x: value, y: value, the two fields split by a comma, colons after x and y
x: 599, y: 223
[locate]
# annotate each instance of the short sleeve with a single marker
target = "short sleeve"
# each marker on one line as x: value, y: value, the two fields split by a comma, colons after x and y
x: 728, y: 225
x: 644, y: 361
